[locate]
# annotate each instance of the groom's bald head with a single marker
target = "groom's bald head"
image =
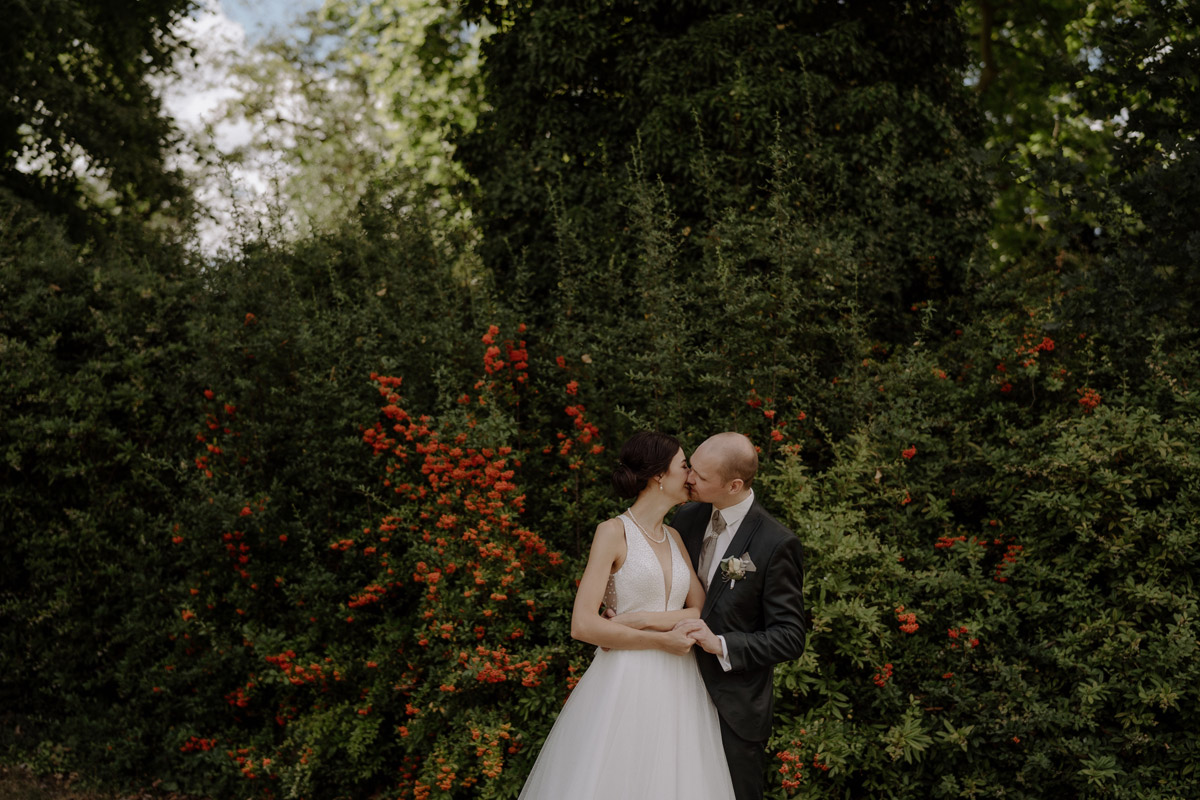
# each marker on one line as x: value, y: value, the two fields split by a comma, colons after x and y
x: 734, y: 455
x: 723, y: 467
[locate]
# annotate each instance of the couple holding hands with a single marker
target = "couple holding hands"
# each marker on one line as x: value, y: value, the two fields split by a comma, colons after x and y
x: 677, y: 702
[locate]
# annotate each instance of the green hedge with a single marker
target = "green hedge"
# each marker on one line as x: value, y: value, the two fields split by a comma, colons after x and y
x: 230, y: 559
x: 230, y: 568
x: 93, y: 343
x: 1042, y: 528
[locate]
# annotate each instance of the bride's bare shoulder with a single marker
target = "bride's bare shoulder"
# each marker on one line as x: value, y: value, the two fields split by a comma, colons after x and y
x: 609, y: 541
x: 611, y: 529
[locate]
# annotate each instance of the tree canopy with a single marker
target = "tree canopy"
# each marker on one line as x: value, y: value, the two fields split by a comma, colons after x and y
x: 365, y: 97
x: 81, y: 128
x: 1092, y: 119
x: 866, y: 101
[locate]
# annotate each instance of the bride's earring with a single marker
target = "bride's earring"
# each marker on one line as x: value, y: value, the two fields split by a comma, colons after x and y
x: 660, y: 484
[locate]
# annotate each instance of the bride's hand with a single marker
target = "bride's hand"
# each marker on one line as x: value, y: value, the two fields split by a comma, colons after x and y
x: 677, y: 643
x: 697, y: 630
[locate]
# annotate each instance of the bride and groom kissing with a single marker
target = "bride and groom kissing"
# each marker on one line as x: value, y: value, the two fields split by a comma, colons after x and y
x: 677, y: 702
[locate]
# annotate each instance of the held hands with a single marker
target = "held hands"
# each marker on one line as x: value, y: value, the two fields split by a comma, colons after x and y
x: 676, y: 642
x: 697, y: 631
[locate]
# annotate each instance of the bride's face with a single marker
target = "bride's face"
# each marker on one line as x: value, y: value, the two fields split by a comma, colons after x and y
x: 674, y: 482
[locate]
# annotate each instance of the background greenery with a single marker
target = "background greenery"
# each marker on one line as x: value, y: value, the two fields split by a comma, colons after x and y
x: 305, y: 521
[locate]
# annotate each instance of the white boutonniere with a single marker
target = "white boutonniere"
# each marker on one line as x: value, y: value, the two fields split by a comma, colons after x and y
x: 733, y: 569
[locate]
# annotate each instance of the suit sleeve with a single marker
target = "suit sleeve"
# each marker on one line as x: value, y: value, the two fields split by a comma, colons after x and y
x: 783, y: 634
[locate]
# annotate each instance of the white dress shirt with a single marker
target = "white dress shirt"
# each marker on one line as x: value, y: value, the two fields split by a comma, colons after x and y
x: 733, y: 516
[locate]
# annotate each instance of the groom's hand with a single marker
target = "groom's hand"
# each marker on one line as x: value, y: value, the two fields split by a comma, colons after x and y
x: 676, y: 642
x: 697, y: 630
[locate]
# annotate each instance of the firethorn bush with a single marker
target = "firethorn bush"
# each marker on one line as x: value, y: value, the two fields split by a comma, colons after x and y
x: 423, y: 650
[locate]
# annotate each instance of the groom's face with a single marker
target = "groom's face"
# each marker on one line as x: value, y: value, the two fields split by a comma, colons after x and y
x: 706, y: 483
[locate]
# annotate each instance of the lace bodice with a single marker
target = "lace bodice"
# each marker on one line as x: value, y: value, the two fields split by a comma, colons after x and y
x: 638, y: 585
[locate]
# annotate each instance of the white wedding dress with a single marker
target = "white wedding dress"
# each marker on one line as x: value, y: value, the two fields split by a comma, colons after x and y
x: 640, y: 723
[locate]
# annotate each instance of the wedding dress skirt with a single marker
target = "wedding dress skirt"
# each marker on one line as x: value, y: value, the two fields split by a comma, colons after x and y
x: 639, y: 724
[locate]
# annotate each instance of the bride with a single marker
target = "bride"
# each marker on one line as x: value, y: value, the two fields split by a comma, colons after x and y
x: 640, y: 723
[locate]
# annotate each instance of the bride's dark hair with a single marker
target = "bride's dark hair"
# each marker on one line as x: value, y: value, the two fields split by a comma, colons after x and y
x: 643, y: 456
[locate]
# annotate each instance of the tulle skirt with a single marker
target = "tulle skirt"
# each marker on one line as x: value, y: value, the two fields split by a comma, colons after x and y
x: 639, y: 724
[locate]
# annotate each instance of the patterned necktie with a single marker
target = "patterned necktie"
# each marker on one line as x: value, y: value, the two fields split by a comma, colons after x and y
x: 709, y: 546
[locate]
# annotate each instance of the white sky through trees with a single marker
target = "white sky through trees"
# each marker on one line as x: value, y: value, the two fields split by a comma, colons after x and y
x: 234, y: 193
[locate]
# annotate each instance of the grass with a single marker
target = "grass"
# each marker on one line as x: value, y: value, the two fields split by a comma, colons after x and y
x: 19, y: 783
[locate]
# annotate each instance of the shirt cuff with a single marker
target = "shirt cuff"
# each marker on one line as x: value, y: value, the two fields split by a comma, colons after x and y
x: 723, y: 659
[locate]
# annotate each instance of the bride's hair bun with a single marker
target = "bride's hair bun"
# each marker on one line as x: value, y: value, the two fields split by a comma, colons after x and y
x: 644, y: 456
x: 625, y: 482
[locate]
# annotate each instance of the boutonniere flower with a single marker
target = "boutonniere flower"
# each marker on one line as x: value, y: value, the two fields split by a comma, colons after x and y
x: 733, y: 569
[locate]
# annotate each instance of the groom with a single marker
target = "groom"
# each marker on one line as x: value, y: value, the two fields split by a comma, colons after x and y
x: 753, y: 615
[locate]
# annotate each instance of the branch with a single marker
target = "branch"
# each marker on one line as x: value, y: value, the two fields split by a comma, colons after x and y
x: 987, y: 14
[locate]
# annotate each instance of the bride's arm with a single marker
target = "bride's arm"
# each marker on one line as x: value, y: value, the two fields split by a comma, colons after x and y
x: 655, y: 620
x: 588, y: 626
x: 666, y: 620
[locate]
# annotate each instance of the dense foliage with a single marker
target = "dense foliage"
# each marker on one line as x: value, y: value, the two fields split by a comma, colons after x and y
x: 80, y: 130
x: 91, y: 350
x: 866, y: 99
x: 306, y: 522
x: 1002, y: 577
x: 1091, y: 115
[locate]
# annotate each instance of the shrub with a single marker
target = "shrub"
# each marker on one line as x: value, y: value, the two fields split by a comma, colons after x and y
x: 93, y: 339
x: 868, y: 101
x: 413, y: 650
x: 999, y: 574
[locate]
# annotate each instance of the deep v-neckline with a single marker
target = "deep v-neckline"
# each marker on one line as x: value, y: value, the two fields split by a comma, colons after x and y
x: 668, y: 574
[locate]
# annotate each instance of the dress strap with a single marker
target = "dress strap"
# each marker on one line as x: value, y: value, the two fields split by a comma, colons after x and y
x: 633, y: 535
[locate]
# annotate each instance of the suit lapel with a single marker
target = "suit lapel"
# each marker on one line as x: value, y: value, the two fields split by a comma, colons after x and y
x: 738, y: 546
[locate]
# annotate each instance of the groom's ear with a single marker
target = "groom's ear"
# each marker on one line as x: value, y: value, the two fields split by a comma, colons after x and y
x: 736, y: 485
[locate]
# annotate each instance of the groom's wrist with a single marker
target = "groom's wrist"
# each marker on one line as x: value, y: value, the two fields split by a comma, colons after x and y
x: 723, y: 656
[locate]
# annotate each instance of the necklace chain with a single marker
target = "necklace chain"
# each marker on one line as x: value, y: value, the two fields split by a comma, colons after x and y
x: 638, y: 525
